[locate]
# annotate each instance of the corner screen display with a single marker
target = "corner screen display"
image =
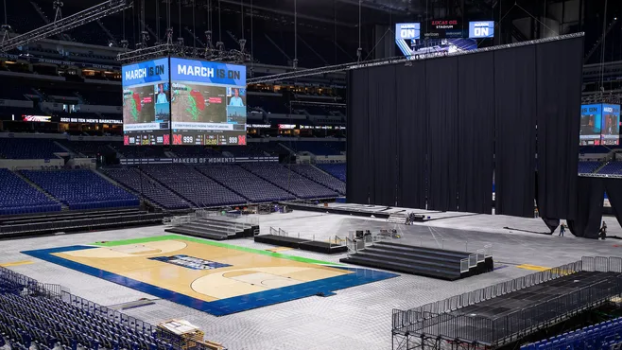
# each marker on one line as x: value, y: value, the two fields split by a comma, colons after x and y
x: 208, y: 103
x: 590, y: 125
x: 610, y: 129
x: 146, y: 103
x: 600, y: 125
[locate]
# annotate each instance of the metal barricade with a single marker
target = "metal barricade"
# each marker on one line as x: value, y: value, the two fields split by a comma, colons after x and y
x: 481, y: 256
x: 472, y: 260
x: 464, y: 265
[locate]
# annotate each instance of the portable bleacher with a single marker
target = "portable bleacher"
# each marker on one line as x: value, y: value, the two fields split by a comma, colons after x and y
x: 423, y: 261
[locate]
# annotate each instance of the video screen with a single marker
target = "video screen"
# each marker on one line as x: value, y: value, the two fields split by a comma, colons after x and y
x: 199, y: 104
x: 146, y: 111
x: 610, y: 130
x: 208, y: 103
x: 590, y: 125
x: 146, y: 103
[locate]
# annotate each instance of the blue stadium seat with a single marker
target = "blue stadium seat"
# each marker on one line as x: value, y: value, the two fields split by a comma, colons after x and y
x: 81, y: 189
x: 140, y: 183
x: 337, y: 170
x: 606, y: 335
x: 195, y: 187
x: 252, y: 187
x: 19, y: 197
x: 290, y: 181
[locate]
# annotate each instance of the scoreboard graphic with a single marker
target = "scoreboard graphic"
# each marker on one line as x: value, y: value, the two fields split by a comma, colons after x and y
x: 481, y: 30
x: 440, y: 37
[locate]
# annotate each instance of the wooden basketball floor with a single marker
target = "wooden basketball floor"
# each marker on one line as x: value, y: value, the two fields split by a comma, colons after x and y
x: 214, y: 277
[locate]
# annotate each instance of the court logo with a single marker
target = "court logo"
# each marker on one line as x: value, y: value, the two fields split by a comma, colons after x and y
x: 190, y: 262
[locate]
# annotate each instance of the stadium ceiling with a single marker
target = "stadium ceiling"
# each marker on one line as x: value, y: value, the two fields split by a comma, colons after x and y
x: 88, y: 15
x: 318, y: 10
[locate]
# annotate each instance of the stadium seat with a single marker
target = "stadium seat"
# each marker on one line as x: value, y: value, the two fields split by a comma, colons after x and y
x: 193, y: 186
x: 81, y: 189
x: 19, y: 197
x: 139, y: 183
x: 239, y: 180
x: 290, y: 181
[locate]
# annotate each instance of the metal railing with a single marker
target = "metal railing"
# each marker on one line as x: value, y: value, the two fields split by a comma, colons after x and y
x: 333, y: 241
x: 442, y: 319
x: 30, y: 285
x: 36, y: 289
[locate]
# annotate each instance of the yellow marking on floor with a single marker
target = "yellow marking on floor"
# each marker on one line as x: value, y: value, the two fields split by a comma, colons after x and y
x: 533, y: 267
x: 17, y: 263
x: 279, y: 249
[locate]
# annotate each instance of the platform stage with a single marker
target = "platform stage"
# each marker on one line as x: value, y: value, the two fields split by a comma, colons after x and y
x: 213, y: 277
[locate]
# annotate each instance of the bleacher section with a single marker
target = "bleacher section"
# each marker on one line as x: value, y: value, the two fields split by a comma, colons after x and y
x: 19, y: 197
x: 31, y: 317
x: 76, y: 221
x: 605, y: 335
x: 244, y: 183
x: 588, y: 167
x: 612, y: 168
x: 311, y: 172
x: 16, y: 148
x: 196, y: 151
x: 139, y: 152
x: 215, y: 228
x: 337, y: 170
x: 140, y: 183
x: 186, y: 181
x: 317, y: 147
x: 255, y: 149
x: 88, y: 148
x: 81, y: 189
x: 423, y: 261
x: 290, y: 181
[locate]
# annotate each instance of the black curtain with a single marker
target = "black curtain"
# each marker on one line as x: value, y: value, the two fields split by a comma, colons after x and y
x: 559, y: 79
x: 589, y: 195
x: 406, y: 125
x: 475, y: 142
x: 381, y: 99
x: 614, y: 193
x: 411, y: 95
x: 358, y: 166
x: 515, y: 109
x: 551, y: 223
x: 442, y: 90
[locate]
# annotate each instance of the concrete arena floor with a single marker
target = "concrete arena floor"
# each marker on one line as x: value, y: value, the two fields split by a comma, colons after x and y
x: 353, y: 319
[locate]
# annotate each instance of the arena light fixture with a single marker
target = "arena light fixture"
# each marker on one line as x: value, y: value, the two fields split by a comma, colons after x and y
x: 91, y: 14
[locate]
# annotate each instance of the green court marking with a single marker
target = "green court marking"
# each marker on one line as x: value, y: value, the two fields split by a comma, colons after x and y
x: 215, y: 244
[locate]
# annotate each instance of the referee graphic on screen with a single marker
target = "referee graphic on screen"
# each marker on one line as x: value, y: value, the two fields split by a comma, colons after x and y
x: 236, y: 100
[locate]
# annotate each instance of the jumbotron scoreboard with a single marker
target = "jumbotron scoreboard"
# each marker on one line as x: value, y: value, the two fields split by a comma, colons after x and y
x: 175, y: 101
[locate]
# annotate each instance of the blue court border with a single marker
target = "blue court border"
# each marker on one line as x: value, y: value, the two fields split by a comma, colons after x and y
x: 227, y: 306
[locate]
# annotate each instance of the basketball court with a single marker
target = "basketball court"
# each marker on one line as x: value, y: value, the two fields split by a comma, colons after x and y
x: 213, y: 277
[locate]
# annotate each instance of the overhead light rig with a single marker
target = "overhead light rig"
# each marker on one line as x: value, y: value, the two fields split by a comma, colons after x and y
x: 295, y: 74
x: 170, y: 49
x: 61, y: 25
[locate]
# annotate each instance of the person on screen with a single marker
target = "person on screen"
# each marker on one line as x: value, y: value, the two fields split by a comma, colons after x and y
x: 236, y: 100
x: 161, y: 95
